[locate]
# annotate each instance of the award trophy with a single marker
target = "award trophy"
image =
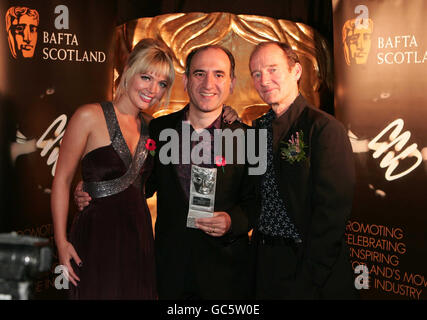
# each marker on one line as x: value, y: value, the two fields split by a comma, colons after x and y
x: 202, y: 194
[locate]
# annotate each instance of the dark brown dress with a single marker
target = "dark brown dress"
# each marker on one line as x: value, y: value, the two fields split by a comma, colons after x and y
x: 113, y: 235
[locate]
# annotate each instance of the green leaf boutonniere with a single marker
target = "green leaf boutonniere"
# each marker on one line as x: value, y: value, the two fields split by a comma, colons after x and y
x: 293, y: 150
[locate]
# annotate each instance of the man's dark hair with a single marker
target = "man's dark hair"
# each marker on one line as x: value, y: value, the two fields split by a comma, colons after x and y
x: 213, y: 46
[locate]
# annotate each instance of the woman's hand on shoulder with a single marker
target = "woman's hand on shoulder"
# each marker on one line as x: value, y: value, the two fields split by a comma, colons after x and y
x: 230, y: 115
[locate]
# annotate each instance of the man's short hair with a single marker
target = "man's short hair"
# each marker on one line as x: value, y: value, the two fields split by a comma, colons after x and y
x: 290, y: 54
x: 212, y: 46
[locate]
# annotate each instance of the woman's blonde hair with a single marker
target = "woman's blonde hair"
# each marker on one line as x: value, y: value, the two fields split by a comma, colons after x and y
x: 149, y: 56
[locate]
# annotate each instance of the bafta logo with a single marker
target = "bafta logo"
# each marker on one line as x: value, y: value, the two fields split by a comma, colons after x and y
x: 203, y: 180
x: 202, y: 194
x: 357, y: 40
x: 21, y: 27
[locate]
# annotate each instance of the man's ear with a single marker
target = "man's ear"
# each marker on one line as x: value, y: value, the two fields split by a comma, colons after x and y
x: 297, y: 71
x: 185, y: 81
x: 233, y: 83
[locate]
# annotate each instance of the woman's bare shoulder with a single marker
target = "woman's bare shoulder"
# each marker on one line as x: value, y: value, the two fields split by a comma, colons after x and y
x: 89, y: 109
x: 89, y: 113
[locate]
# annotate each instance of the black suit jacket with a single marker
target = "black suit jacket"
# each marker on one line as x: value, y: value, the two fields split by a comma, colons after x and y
x: 190, y: 263
x: 318, y: 193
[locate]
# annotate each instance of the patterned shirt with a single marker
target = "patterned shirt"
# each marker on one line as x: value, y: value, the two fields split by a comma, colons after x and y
x: 274, y: 219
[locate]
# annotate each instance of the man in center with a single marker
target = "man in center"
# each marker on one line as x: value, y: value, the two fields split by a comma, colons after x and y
x: 213, y: 260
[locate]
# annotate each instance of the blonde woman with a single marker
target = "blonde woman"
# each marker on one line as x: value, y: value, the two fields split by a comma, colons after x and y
x: 110, y: 251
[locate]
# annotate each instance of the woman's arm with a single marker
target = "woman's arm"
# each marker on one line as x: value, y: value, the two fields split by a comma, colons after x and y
x: 72, y: 148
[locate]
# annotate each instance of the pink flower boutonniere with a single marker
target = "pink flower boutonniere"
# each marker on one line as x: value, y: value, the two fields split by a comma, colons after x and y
x: 150, y: 145
x: 220, y: 162
x: 293, y: 150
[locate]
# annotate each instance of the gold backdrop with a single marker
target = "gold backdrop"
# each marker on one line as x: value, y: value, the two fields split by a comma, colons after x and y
x: 182, y: 32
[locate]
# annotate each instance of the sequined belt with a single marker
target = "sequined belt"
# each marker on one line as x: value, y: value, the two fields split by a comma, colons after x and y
x: 100, y: 189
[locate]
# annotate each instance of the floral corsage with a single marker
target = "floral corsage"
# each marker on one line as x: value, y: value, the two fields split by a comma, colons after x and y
x: 293, y: 150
